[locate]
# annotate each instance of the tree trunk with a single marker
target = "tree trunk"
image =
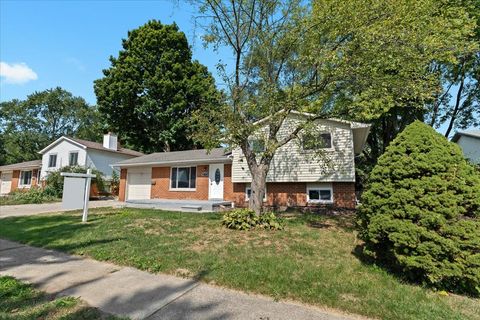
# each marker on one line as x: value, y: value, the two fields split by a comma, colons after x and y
x: 457, y: 106
x: 258, y: 188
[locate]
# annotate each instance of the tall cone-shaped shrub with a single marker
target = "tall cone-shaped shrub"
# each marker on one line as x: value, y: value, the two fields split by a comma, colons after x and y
x: 420, y: 213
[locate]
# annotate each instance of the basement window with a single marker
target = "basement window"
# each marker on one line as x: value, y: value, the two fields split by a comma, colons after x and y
x: 320, y: 193
x: 248, y: 193
x: 183, y: 178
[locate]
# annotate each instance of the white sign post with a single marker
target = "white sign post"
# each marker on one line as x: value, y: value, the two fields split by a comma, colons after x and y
x: 76, y: 191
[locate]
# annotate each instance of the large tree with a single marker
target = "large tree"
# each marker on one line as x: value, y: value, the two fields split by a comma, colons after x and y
x: 354, y: 59
x: 26, y: 126
x: 152, y: 87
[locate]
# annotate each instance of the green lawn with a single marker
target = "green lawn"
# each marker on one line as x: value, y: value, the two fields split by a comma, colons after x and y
x: 310, y: 261
x: 21, y: 301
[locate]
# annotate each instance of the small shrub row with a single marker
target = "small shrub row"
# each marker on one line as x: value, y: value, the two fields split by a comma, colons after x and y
x: 33, y: 195
x: 246, y: 219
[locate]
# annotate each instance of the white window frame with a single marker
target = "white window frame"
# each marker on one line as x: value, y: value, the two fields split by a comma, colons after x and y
x: 248, y: 186
x: 20, y: 182
x: 189, y: 175
x: 320, y: 188
x: 56, y: 160
x: 331, y: 148
x: 69, y: 155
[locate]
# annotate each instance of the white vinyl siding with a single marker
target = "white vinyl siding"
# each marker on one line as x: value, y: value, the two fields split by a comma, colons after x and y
x: 292, y: 163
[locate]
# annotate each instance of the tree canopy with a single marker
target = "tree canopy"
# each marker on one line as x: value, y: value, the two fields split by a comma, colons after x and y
x: 357, y: 60
x: 26, y: 126
x: 152, y: 87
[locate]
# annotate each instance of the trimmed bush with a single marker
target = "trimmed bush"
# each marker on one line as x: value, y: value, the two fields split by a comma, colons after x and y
x: 32, y: 195
x: 420, y: 213
x: 246, y: 219
x: 54, y: 182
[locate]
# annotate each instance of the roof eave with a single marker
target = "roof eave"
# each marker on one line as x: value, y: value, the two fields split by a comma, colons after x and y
x: 51, y: 145
x: 172, y: 162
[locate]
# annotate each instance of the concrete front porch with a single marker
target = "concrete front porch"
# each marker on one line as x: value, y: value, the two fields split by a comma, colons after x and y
x: 180, y: 205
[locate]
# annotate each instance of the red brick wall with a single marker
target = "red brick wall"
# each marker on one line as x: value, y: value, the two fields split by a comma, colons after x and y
x: 294, y: 194
x: 344, y: 194
x: 161, y: 185
x: 15, y: 178
x: 122, y: 185
x: 228, y: 193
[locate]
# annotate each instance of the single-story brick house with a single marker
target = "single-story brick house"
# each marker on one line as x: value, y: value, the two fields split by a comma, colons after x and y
x: 297, y: 176
x: 23, y: 175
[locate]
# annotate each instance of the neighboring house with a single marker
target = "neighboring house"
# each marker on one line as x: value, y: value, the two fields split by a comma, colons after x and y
x: 65, y: 151
x: 22, y: 175
x: 469, y: 141
x: 297, y: 177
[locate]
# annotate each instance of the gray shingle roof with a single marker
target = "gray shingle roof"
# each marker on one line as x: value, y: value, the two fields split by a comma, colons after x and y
x: 470, y: 133
x: 217, y: 154
x: 22, y: 165
x: 99, y: 146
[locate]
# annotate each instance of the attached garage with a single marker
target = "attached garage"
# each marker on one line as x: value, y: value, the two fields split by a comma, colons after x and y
x: 139, y: 183
x: 5, y: 182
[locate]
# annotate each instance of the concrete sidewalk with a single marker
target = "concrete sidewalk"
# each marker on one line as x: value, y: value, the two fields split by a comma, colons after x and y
x: 140, y: 295
x: 32, y: 209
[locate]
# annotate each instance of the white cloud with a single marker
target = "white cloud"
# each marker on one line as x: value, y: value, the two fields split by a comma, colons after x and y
x: 16, y: 73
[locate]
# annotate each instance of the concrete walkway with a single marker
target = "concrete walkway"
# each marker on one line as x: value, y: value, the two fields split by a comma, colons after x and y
x: 32, y: 209
x: 140, y: 295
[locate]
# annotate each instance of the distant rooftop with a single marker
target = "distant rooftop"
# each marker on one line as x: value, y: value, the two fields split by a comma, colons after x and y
x: 99, y: 146
x: 469, y: 133
x: 22, y: 165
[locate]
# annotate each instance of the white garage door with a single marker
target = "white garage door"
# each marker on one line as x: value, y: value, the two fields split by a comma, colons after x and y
x: 6, y: 182
x: 139, y: 183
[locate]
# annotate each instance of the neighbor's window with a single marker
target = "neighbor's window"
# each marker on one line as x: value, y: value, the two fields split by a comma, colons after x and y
x: 312, y: 141
x: 256, y: 145
x: 183, y: 178
x: 52, y: 161
x: 320, y: 195
x: 25, y: 178
x: 73, y: 159
x: 248, y: 193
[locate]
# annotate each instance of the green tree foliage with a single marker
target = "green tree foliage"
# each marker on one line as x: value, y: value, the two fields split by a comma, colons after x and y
x: 420, y: 213
x: 26, y: 126
x: 352, y: 59
x: 152, y: 87
x: 54, y: 181
x: 453, y: 91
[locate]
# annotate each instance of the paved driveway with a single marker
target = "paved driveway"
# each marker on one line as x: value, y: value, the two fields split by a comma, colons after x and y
x: 32, y: 209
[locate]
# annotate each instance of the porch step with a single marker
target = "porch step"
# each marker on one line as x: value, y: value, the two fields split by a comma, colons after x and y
x: 190, y: 207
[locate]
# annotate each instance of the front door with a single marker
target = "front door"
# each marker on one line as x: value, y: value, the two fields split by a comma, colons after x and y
x: 6, y: 182
x: 215, y: 189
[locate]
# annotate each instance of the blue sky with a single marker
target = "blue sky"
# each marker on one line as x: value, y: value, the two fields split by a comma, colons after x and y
x: 68, y: 43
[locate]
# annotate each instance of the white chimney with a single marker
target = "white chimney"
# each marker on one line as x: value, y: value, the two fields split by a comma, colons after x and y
x: 110, y: 141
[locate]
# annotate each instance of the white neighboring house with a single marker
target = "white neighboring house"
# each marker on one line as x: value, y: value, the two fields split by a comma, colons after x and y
x: 67, y: 151
x: 469, y: 141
